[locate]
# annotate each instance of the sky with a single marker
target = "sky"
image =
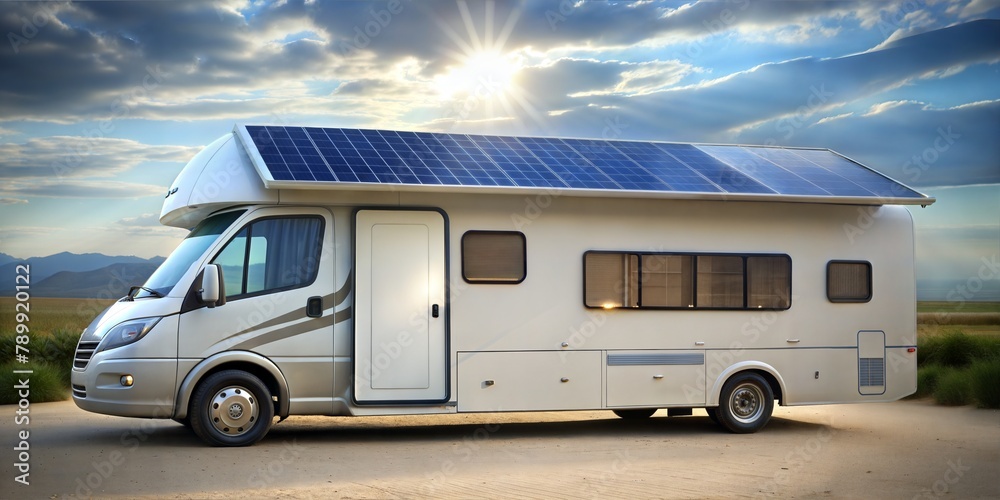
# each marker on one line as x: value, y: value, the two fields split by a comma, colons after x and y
x: 102, y: 103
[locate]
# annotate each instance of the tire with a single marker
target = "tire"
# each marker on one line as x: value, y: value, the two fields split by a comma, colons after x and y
x: 745, y: 404
x: 712, y: 415
x: 636, y: 414
x: 231, y: 408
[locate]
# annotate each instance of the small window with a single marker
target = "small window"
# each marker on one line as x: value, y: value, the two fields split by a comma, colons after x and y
x: 270, y: 255
x: 494, y: 257
x: 720, y: 281
x: 769, y: 282
x: 611, y: 280
x: 666, y: 281
x: 849, y: 281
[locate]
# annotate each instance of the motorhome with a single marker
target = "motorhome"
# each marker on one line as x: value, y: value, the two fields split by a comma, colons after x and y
x: 333, y: 271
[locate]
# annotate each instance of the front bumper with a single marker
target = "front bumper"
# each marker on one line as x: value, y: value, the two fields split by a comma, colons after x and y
x: 98, y: 387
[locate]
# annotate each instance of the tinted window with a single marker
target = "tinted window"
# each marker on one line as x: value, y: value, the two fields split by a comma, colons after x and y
x: 269, y: 255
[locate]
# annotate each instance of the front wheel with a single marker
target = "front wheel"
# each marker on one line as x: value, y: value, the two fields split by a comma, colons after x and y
x: 745, y: 404
x: 231, y: 408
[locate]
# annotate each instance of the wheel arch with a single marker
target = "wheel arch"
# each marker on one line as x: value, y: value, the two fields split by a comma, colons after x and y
x: 765, y: 370
x: 250, y: 362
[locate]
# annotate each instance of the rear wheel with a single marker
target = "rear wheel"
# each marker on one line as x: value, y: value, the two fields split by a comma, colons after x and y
x: 635, y: 414
x: 712, y: 415
x: 745, y: 404
x: 231, y: 408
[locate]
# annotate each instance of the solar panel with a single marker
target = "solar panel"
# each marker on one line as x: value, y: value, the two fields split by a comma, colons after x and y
x: 290, y: 157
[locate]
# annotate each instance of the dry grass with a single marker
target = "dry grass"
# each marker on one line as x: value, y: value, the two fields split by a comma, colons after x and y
x: 47, y: 316
x: 957, y: 306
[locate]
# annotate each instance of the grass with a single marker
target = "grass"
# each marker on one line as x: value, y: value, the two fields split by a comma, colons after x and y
x: 957, y: 368
x: 954, y: 388
x: 986, y: 382
x: 959, y: 307
x: 50, y: 315
x: 54, y: 329
x: 46, y: 383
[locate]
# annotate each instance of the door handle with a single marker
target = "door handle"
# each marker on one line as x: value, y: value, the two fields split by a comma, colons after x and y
x: 434, y: 311
x: 314, y: 307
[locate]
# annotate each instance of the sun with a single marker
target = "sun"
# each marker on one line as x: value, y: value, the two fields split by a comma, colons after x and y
x: 482, y: 74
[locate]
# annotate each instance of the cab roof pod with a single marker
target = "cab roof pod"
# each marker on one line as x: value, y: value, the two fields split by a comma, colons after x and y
x: 218, y: 177
x: 298, y: 158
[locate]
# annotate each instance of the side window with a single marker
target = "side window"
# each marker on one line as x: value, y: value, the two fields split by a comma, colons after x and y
x: 634, y: 280
x: 849, y: 281
x: 610, y: 280
x: 232, y: 259
x: 666, y: 281
x: 769, y: 281
x: 720, y: 281
x: 494, y: 257
x: 271, y: 255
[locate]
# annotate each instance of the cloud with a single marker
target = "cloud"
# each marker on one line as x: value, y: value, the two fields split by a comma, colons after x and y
x: 885, y: 106
x: 163, y: 60
x: 975, y: 232
x: 75, y: 156
x: 144, y: 220
x: 71, y: 188
x: 11, y: 201
x: 792, y: 90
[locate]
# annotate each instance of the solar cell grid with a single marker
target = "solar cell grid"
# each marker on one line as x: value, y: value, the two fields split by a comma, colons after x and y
x: 311, y: 154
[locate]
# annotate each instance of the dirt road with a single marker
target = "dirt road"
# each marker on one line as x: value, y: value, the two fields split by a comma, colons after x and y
x: 900, y: 450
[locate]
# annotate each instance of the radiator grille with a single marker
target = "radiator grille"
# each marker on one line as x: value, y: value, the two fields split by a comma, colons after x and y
x: 871, y: 372
x: 80, y: 391
x: 84, y: 352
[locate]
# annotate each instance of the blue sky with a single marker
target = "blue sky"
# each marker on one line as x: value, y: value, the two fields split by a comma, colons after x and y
x: 103, y: 102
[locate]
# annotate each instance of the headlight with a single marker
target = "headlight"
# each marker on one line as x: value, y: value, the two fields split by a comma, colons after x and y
x: 127, y: 332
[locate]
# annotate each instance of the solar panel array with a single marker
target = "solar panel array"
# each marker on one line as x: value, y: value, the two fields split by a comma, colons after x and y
x: 386, y: 157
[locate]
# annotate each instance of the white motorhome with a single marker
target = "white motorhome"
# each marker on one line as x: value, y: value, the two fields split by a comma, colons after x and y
x: 373, y: 272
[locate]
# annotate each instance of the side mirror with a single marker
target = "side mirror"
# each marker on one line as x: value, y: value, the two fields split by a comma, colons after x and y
x: 213, y: 288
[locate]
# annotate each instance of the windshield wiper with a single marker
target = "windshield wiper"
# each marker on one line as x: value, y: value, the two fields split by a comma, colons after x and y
x: 135, y: 289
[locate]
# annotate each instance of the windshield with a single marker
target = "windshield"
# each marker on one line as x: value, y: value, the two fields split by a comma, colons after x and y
x: 191, y: 248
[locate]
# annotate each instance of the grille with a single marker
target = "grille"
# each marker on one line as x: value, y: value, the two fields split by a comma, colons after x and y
x: 84, y: 352
x: 871, y: 372
x: 79, y: 391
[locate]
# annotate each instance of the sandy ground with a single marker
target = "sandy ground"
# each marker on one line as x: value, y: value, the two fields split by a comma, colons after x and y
x: 901, y: 450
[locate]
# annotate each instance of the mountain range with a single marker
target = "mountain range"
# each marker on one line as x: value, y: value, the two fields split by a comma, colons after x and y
x: 90, y: 275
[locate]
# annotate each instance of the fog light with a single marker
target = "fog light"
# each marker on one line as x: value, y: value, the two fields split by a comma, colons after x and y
x: 127, y: 380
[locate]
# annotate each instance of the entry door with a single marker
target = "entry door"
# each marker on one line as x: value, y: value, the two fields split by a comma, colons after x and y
x: 400, y: 336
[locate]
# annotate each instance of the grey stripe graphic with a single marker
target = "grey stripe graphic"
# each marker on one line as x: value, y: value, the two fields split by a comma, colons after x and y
x: 656, y: 359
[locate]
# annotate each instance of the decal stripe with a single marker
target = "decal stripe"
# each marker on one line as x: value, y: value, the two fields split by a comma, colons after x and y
x: 293, y: 330
x: 338, y: 298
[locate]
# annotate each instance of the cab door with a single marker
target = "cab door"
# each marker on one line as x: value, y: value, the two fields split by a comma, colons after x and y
x: 278, y: 275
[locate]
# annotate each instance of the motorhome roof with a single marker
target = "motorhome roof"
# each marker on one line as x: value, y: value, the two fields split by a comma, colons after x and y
x: 337, y: 158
